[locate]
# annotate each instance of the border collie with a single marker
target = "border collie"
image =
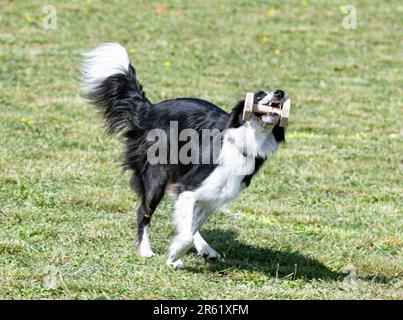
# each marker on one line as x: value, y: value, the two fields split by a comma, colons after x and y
x: 109, y: 82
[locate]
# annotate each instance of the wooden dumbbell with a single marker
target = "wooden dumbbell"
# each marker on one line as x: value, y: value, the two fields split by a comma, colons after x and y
x: 250, y: 107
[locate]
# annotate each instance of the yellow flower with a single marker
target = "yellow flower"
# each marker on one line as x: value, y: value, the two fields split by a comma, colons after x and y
x: 264, y: 39
x: 222, y: 7
x: 25, y: 120
x: 343, y: 8
x: 29, y: 18
x: 31, y: 105
x: 132, y: 50
x: 277, y: 51
x: 272, y: 12
x: 227, y: 73
x: 167, y: 64
x: 305, y: 3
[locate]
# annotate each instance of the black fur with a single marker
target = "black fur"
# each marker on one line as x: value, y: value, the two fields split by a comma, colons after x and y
x: 126, y: 109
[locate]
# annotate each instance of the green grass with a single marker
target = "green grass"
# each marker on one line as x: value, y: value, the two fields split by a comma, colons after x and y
x: 329, y: 200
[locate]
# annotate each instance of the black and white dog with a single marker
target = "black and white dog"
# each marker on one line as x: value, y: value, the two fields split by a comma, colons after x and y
x: 200, y: 187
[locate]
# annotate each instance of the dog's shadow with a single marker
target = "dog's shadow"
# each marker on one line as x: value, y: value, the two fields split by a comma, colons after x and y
x: 273, y: 263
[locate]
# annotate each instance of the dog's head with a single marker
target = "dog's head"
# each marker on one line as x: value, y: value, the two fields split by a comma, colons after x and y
x: 270, y: 121
x: 274, y: 99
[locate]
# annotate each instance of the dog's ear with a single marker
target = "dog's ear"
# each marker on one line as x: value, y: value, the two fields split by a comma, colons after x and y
x: 235, y: 119
x: 279, y: 133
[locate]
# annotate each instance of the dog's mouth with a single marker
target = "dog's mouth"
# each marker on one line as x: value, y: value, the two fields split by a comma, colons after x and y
x: 272, y: 118
x: 275, y: 103
x: 274, y: 100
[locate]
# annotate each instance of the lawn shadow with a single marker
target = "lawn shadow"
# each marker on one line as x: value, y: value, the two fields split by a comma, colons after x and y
x: 274, y: 263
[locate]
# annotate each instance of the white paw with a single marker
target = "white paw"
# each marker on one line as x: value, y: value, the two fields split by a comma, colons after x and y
x: 209, y: 254
x: 146, y: 252
x: 178, y: 264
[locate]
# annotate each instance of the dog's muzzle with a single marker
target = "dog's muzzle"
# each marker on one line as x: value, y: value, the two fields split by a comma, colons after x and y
x: 275, y: 100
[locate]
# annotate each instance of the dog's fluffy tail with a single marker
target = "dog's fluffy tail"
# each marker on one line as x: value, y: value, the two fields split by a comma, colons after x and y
x: 109, y: 82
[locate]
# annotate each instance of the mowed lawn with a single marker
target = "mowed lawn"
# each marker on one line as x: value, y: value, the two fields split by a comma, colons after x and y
x: 323, y: 218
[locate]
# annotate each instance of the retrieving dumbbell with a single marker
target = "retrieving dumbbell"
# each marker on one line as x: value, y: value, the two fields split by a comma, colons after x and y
x: 250, y: 107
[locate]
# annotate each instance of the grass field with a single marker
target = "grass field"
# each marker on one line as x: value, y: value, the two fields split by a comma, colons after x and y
x: 327, y: 206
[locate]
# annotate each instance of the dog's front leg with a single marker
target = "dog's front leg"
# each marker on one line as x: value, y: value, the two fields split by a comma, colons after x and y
x: 201, y: 213
x: 183, y: 220
x: 203, y: 248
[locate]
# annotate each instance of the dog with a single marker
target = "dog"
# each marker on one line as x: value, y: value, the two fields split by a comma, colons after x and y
x: 110, y: 83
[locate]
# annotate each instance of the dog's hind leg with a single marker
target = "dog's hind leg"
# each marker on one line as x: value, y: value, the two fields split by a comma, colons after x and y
x: 143, y: 234
x: 153, y: 191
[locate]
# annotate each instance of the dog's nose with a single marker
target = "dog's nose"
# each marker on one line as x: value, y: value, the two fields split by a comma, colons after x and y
x: 279, y: 94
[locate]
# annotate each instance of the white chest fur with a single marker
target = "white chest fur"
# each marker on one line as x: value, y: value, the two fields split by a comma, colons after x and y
x: 237, y: 159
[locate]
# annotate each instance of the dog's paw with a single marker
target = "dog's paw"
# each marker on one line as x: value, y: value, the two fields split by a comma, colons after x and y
x: 178, y: 264
x: 146, y: 252
x: 209, y: 254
